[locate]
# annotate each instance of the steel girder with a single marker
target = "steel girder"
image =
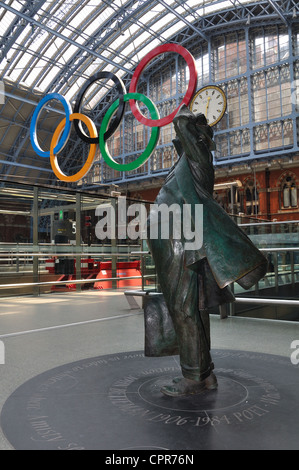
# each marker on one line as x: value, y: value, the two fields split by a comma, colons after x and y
x: 61, y: 36
x: 258, y: 12
x: 17, y: 27
x: 274, y: 5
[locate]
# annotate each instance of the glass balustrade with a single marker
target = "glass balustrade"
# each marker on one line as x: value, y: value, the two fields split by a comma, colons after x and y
x: 60, y: 240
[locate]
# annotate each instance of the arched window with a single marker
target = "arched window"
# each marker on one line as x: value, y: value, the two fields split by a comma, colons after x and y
x: 251, y: 199
x: 289, y: 193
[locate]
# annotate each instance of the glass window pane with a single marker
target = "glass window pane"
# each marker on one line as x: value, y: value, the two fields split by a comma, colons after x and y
x: 259, y: 94
x: 286, y: 197
x: 293, y: 196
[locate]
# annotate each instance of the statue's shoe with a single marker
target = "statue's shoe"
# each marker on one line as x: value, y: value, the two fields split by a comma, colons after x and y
x: 184, y: 387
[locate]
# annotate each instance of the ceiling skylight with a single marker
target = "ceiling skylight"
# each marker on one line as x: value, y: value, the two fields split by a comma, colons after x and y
x: 56, y: 45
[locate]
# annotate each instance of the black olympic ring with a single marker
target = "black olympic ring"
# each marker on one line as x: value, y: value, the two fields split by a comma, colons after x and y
x: 120, y: 111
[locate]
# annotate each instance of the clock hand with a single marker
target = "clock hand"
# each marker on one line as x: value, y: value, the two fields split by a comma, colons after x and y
x: 207, y: 106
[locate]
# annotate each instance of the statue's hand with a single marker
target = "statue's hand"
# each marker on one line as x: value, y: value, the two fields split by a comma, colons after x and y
x: 194, y: 133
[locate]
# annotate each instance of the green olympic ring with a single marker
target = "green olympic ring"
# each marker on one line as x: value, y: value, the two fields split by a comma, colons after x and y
x: 155, y: 132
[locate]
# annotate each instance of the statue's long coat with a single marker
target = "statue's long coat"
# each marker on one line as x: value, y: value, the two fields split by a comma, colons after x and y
x: 194, y: 280
x: 229, y: 253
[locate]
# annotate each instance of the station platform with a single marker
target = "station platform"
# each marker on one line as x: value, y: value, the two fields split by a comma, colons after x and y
x: 75, y: 377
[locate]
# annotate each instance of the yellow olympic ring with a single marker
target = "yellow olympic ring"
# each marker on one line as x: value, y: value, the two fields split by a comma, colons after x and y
x: 92, y: 152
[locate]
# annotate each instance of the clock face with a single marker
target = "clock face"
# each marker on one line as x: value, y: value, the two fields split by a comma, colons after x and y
x: 210, y: 101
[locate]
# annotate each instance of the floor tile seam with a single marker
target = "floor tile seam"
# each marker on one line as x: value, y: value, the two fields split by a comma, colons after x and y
x: 67, y: 325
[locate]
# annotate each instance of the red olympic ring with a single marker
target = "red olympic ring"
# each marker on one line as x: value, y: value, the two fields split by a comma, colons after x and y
x: 190, y: 91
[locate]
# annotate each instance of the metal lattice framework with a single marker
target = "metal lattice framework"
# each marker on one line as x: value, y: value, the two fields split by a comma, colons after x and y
x: 54, y: 46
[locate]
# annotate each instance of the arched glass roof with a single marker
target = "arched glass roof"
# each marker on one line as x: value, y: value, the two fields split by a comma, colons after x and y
x: 56, y: 45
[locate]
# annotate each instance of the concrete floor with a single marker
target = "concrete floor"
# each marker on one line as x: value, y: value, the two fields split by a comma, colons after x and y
x: 40, y: 333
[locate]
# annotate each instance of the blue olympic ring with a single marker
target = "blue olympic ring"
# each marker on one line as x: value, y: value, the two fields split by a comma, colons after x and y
x: 33, y: 125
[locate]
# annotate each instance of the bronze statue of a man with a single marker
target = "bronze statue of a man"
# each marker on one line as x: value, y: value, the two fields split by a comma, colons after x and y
x: 194, y: 280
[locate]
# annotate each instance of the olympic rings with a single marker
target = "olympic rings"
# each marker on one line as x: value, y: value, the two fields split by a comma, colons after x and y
x: 88, y: 164
x: 190, y: 91
x: 62, y: 133
x: 67, y: 129
x: 151, y: 144
x: 116, y: 121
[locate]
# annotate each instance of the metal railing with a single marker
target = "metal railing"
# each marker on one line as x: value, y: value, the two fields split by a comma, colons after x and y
x: 39, y: 269
x: 285, y: 271
x: 264, y: 301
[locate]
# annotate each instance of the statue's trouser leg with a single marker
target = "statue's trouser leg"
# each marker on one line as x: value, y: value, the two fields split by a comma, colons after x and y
x: 192, y: 334
x: 192, y: 326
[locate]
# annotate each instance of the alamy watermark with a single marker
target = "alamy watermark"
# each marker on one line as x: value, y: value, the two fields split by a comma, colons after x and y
x: 2, y: 92
x: 2, y: 353
x: 164, y: 222
x: 295, y: 353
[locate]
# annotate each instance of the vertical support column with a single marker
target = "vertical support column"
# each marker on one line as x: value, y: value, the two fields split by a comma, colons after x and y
x: 232, y: 198
x: 267, y: 186
x: 211, y: 62
x: 249, y: 84
x: 292, y: 268
x: 275, y: 258
x: 35, y: 239
x: 178, y: 82
x: 142, y: 271
x: 232, y: 308
x: 222, y: 311
x: 78, y: 240
x: 52, y: 227
x: 293, y: 85
x: 113, y: 248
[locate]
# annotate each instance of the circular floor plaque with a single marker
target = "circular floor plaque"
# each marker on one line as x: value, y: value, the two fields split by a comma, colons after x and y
x: 114, y: 403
